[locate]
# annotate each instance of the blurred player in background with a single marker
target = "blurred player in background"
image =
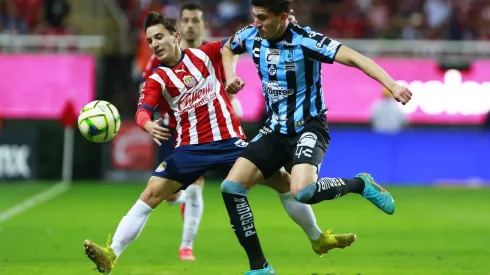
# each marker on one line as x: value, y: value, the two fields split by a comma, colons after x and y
x: 187, y: 84
x: 288, y: 59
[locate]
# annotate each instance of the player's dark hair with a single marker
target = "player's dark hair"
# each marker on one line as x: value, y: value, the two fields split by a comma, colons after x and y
x: 274, y: 6
x: 192, y: 6
x: 154, y: 18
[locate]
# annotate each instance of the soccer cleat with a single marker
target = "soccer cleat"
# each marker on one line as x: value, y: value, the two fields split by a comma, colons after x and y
x: 104, y: 258
x: 265, y: 271
x: 328, y: 241
x: 185, y: 254
x: 376, y: 194
x: 182, y: 210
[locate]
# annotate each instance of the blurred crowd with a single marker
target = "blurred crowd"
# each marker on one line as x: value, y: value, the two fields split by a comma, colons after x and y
x: 35, y: 17
x: 389, y: 19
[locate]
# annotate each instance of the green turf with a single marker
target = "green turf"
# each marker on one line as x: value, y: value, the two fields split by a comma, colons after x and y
x: 434, y: 231
x: 11, y: 194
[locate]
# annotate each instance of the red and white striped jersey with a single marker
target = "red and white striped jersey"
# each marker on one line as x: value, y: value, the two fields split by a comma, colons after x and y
x: 153, y: 62
x: 192, y: 92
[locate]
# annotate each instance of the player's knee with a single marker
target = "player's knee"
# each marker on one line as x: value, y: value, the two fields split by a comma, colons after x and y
x: 157, y: 190
x: 193, y: 191
x: 231, y: 187
x: 305, y: 194
x: 279, y: 181
x: 199, y: 182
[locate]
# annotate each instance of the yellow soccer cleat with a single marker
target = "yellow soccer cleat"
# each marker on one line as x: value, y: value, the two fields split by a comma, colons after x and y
x: 328, y: 241
x: 104, y: 258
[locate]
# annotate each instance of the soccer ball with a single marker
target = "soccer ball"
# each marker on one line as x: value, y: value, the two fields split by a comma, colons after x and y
x: 99, y: 121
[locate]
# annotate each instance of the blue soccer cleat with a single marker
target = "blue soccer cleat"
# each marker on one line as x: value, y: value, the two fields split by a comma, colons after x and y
x: 265, y: 271
x: 376, y: 194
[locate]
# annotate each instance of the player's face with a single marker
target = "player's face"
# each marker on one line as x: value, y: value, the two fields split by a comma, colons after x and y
x: 268, y: 23
x: 192, y: 24
x: 163, y: 44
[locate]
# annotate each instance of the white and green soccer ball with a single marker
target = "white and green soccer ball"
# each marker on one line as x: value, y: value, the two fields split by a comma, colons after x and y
x: 99, y: 121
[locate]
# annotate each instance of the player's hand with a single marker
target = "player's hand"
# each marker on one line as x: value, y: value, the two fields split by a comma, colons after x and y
x: 291, y: 17
x: 401, y: 93
x: 234, y: 85
x: 157, y: 131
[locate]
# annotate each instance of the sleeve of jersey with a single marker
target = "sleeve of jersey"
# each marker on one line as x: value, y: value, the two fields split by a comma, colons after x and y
x: 238, y: 40
x: 149, y: 97
x: 319, y: 47
x: 150, y: 65
x: 213, y: 49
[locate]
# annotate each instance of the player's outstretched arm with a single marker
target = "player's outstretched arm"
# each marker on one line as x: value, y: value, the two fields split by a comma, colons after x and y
x: 352, y: 58
x: 230, y: 60
x: 149, y: 97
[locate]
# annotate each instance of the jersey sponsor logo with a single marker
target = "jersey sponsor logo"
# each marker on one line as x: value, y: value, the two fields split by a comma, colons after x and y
x: 279, y: 118
x: 237, y: 40
x: 258, y: 38
x: 299, y: 123
x: 276, y: 91
x: 312, y: 34
x: 241, y: 143
x: 320, y: 44
x: 161, y: 167
x: 242, y: 30
x: 285, y: 44
x: 272, y: 70
x: 194, y: 99
x: 256, y: 52
x: 272, y: 56
x: 306, y: 141
x: 264, y: 131
x: 289, y: 55
x: 332, y: 46
x: 142, y: 97
x: 189, y: 81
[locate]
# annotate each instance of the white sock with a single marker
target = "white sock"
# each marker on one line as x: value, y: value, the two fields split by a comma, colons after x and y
x: 180, y: 199
x: 194, y: 206
x: 302, y: 214
x: 130, y: 226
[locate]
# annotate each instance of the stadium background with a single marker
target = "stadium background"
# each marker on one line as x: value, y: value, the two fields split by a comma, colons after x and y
x: 57, y: 55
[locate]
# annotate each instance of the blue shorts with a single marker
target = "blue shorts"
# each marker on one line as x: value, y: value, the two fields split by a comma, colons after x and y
x: 187, y: 163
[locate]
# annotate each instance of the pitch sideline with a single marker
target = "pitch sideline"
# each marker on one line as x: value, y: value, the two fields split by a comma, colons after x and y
x: 46, y: 195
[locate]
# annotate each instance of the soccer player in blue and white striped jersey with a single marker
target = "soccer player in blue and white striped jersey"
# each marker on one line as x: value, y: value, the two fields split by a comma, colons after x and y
x: 289, y: 60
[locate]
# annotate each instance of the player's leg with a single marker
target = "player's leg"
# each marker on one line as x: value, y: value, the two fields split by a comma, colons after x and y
x: 191, y: 211
x: 131, y: 225
x: 241, y: 178
x: 193, y: 197
x: 307, y: 188
x: 302, y: 214
x: 175, y: 172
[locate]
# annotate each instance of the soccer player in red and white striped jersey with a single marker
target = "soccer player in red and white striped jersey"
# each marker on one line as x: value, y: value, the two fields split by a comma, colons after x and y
x: 194, y: 96
x: 192, y: 25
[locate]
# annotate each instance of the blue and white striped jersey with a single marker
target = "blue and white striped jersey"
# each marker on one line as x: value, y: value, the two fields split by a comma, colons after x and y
x: 290, y: 71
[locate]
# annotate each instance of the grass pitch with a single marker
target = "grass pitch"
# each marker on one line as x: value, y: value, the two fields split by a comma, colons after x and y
x: 433, y: 231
